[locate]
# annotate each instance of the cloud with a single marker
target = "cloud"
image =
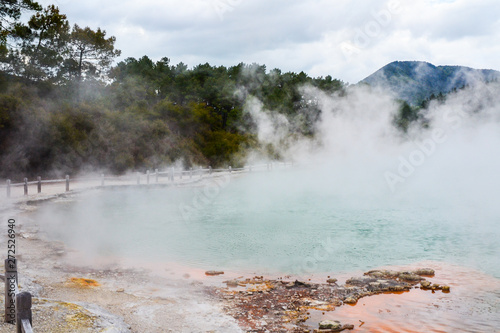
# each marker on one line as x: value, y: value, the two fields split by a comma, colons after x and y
x: 300, y: 35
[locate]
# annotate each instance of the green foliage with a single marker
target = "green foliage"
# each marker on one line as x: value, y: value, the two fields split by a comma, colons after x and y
x: 90, y: 51
x: 10, y: 13
x: 417, y: 81
x: 45, y: 48
x: 405, y: 116
x: 42, y: 44
x: 58, y: 115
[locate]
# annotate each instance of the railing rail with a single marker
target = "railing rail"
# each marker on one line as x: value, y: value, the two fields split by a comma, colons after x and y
x: 149, y: 177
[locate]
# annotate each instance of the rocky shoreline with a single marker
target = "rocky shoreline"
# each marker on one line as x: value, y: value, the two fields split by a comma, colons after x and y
x: 262, y: 305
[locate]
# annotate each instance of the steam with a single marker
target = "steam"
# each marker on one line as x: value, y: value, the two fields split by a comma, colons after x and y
x: 357, y: 162
x: 448, y: 158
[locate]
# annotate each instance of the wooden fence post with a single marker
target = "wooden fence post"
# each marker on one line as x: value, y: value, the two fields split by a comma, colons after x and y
x: 67, y: 183
x: 39, y: 186
x: 23, y: 311
x: 10, y: 290
x: 156, y: 175
x: 8, y: 188
x: 25, y: 186
x: 147, y: 177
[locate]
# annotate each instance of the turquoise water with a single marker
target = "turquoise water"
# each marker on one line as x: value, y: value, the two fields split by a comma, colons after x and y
x: 276, y: 222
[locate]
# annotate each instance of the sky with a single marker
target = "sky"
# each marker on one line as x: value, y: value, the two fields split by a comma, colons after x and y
x: 347, y: 39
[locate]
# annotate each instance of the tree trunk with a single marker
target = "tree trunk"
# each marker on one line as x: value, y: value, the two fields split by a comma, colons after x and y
x: 80, y: 65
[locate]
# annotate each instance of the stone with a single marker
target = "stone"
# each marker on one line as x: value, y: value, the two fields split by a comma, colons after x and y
x: 445, y: 289
x: 232, y: 283
x: 120, y: 290
x: 350, y: 300
x: 424, y: 271
x: 425, y: 284
x: 331, y: 281
x: 214, y: 273
x: 330, y: 324
x: 410, y: 277
x: 359, y: 281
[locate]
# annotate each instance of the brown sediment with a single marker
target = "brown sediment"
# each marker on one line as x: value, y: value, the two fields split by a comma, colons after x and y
x: 261, y: 305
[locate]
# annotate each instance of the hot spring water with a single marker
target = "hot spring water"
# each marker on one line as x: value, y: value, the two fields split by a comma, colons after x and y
x: 276, y: 222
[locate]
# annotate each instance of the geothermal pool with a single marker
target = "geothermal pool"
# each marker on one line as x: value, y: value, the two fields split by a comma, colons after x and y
x: 277, y: 222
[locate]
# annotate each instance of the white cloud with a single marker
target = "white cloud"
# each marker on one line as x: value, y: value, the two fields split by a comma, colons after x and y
x: 309, y: 35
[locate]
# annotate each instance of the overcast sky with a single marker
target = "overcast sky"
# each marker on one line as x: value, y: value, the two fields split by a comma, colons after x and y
x: 347, y: 39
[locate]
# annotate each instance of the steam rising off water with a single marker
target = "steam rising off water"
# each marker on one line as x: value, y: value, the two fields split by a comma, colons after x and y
x: 253, y: 225
x: 360, y: 197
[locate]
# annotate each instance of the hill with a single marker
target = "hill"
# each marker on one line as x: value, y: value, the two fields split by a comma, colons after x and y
x: 415, y: 81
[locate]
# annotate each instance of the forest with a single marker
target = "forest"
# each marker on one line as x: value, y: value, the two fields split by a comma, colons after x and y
x: 67, y: 105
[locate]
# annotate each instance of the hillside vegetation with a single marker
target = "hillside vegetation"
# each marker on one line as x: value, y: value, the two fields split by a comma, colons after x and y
x: 64, y: 108
x: 417, y: 81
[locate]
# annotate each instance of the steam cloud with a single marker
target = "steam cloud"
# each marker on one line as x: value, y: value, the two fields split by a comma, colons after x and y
x: 448, y: 158
x: 357, y: 161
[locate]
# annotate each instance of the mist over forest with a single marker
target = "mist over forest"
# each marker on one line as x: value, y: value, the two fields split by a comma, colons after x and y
x: 67, y: 107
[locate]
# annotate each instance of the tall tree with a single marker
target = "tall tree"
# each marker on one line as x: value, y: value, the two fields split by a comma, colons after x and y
x: 10, y: 12
x: 43, y: 43
x: 92, y: 53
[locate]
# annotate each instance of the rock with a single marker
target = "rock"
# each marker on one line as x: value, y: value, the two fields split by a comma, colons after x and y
x: 120, y: 290
x: 425, y: 284
x: 350, y: 300
x: 331, y: 281
x: 359, y: 281
x: 375, y: 274
x: 330, y: 324
x: 424, y: 271
x: 398, y: 288
x: 445, y: 289
x: 348, y: 327
x: 213, y: 273
x: 297, y: 283
x: 382, y: 273
x: 410, y: 277
x: 232, y: 283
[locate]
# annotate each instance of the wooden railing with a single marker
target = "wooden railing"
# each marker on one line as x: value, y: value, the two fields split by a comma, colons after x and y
x: 17, y: 304
x: 171, y: 175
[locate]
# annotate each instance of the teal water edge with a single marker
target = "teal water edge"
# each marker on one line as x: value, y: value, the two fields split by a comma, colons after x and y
x: 290, y: 222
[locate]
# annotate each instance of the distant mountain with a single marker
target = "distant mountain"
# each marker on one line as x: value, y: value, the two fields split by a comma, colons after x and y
x: 415, y: 81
